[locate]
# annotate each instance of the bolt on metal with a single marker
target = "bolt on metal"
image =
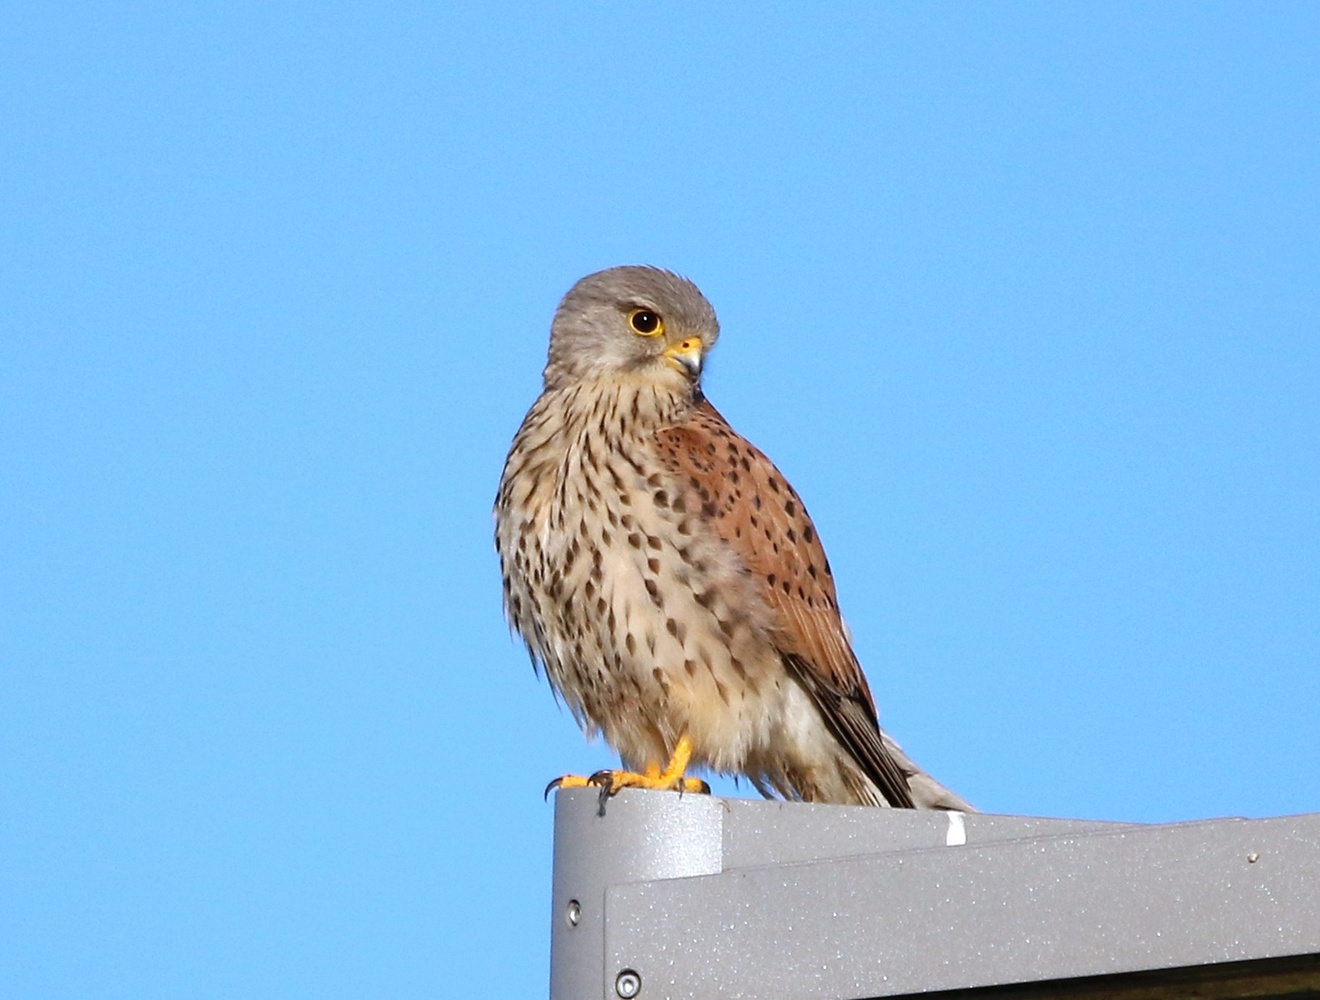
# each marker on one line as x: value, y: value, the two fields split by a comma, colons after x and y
x: 573, y: 912
x: 627, y: 984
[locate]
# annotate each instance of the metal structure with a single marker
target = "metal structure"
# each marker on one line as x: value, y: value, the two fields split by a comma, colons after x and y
x: 668, y: 896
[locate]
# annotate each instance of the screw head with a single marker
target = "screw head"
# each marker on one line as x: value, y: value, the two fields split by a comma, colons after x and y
x: 573, y: 912
x: 627, y: 984
x: 1252, y: 858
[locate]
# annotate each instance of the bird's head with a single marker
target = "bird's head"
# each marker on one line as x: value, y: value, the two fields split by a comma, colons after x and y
x: 631, y: 322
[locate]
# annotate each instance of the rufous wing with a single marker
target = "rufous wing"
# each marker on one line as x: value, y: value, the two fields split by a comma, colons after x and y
x: 751, y: 506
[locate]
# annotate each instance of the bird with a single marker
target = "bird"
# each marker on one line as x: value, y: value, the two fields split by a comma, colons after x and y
x: 667, y: 579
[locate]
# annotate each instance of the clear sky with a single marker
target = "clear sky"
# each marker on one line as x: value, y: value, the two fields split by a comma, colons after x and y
x: 1023, y: 298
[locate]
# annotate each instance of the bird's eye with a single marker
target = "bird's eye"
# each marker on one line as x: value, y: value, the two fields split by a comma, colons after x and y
x: 646, y: 322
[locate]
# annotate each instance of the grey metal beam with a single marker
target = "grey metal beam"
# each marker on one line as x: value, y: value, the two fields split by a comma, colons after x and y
x: 695, y: 896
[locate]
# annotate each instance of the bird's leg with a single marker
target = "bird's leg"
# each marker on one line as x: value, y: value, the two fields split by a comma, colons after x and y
x: 671, y: 778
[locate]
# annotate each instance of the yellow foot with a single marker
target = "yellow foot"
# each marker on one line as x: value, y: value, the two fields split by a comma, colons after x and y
x: 611, y: 782
x: 672, y: 778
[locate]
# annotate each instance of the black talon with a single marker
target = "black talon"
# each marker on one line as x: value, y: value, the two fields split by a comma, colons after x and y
x: 545, y: 796
x: 605, y: 779
x: 682, y: 787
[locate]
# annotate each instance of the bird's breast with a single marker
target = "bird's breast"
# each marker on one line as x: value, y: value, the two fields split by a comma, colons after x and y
x: 644, y: 619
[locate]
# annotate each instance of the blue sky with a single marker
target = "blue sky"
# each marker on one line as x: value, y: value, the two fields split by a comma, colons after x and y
x: 1023, y: 298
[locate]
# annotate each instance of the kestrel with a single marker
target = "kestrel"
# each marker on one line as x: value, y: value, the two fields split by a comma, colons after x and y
x: 667, y: 577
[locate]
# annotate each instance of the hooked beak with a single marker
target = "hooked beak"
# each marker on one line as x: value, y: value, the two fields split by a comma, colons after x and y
x: 685, y: 356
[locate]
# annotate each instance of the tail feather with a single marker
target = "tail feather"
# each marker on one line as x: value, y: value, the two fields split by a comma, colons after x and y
x: 927, y: 793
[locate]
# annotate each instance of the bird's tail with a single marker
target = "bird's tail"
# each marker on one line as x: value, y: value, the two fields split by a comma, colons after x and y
x: 927, y: 793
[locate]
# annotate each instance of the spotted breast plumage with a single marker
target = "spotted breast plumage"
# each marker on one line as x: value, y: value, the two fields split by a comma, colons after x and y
x: 666, y: 575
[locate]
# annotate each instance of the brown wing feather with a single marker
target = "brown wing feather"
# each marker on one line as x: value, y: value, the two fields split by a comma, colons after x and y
x: 752, y: 507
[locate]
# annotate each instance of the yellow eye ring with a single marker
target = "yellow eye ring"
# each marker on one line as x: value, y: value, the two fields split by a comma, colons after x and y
x: 646, y: 322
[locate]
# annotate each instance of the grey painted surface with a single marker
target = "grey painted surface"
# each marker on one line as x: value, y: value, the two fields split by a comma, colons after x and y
x: 642, y: 836
x: 761, y: 833
x: 706, y: 897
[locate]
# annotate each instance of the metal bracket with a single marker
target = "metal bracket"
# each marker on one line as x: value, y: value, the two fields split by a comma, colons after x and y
x: 668, y: 896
